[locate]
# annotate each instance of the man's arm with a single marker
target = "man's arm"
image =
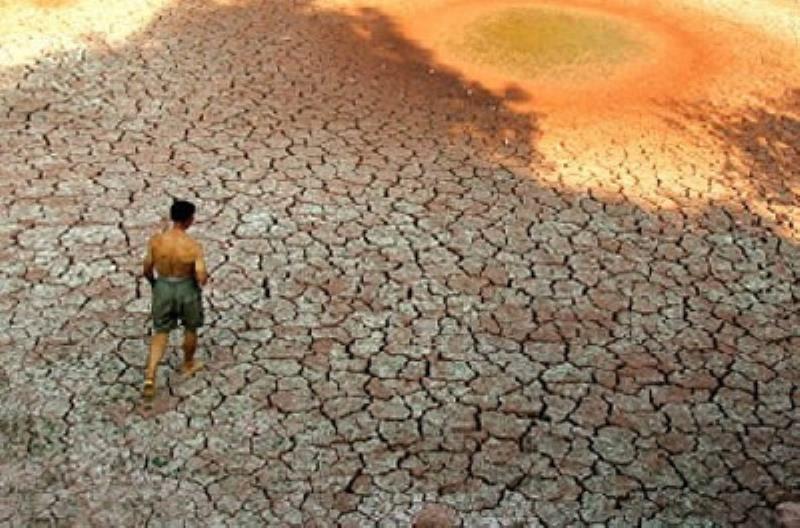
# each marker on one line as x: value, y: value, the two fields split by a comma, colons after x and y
x: 147, y: 265
x: 200, y: 271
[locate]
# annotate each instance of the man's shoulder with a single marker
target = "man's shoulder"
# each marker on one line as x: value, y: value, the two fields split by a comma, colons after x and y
x: 194, y: 243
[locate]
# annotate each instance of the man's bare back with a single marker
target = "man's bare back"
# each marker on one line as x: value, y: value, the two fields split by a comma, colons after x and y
x: 175, y: 254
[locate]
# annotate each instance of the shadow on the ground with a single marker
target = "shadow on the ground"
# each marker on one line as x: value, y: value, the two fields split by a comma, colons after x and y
x: 330, y: 69
x: 761, y: 142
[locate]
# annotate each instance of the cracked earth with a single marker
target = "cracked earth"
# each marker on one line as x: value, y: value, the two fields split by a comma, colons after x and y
x: 421, y: 293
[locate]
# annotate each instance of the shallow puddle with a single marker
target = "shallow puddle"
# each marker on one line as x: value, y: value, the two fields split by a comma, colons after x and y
x: 528, y: 42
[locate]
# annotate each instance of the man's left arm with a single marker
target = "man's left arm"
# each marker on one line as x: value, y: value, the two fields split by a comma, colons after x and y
x: 200, y: 270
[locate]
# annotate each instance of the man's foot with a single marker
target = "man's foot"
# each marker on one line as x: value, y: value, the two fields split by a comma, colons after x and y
x: 188, y: 369
x: 149, y: 389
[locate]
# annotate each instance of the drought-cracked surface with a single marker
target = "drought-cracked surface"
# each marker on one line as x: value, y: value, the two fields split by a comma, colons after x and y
x: 410, y: 302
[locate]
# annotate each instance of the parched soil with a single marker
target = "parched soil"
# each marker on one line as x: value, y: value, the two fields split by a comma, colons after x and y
x: 427, y: 287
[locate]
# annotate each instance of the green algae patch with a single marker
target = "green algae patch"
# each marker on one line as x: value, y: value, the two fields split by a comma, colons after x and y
x: 527, y: 42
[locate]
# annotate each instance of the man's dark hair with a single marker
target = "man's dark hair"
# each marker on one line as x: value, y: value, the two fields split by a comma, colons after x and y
x: 181, y: 211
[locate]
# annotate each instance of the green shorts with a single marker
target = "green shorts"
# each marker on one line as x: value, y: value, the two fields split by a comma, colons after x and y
x: 176, y: 299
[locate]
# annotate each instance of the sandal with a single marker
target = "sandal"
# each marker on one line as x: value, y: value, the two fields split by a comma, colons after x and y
x: 149, y: 389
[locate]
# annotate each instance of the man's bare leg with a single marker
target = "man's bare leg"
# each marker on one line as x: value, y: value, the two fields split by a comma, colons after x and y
x: 190, y: 365
x: 158, y: 344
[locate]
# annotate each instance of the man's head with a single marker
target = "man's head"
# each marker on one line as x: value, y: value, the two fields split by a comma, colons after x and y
x: 182, y: 213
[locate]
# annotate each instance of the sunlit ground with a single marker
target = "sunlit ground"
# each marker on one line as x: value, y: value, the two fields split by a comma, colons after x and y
x: 610, y: 83
x: 30, y: 29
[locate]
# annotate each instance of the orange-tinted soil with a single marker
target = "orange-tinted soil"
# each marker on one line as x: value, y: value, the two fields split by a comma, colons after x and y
x: 662, y: 129
x: 688, y: 58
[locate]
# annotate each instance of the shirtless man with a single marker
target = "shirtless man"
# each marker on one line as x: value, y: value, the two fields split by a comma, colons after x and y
x: 180, y: 272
